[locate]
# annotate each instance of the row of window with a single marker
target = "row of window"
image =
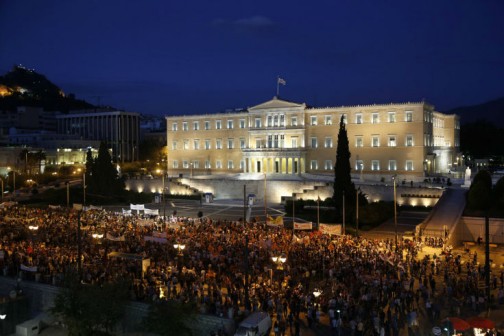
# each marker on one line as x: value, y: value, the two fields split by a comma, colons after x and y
x: 359, y: 165
x: 278, y: 141
x: 278, y: 120
x: 391, y: 141
x: 314, y: 165
x: 218, y: 125
x: 208, y: 165
x: 207, y: 144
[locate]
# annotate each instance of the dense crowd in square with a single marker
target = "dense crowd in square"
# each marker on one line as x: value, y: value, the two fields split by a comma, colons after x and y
x: 367, y: 286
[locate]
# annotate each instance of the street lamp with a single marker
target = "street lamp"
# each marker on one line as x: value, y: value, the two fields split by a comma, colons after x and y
x: 180, y: 248
x: 394, y: 177
x: 316, y: 293
x: 279, y: 261
x: 357, y: 210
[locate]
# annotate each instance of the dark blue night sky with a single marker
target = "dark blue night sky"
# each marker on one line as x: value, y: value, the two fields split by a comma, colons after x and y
x: 184, y: 57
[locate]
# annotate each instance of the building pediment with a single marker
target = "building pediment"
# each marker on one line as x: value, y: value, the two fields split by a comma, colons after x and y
x: 276, y: 103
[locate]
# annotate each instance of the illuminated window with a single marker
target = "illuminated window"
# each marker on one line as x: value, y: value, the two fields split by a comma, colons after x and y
x: 230, y: 143
x: 258, y: 143
x: 207, y: 164
x: 282, y: 120
x: 218, y: 164
x: 294, y: 142
x: 409, y: 140
x: 175, y: 164
x: 242, y: 165
x: 375, y: 118
x: 196, y: 164
x: 207, y: 144
x: 375, y: 165
x: 328, y: 165
x: 257, y: 122
x: 328, y: 142
x: 174, y: 145
x: 242, y: 123
x: 230, y: 124
x: 185, y: 164
x: 275, y: 121
x: 185, y: 127
x: 391, y: 117
x: 242, y: 143
x: 408, y: 116
x: 313, y: 120
x: 392, y: 142
x: 282, y: 140
x: 358, y: 118
x: 230, y: 164
x: 269, y: 121
x: 196, y: 144
x: 359, y: 165
x: 218, y: 144
x: 196, y: 126
x: 409, y: 165
x: 186, y: 144
x: 294, y: 121
x: 218, y: 124
x: 314, y: 143
x: 328, y: 120
x: 375, y: 141
x: 358, y: 141
x: 392, y: 165
x: 313, y: 164
x: 174, y: 127
x: 207, y: 125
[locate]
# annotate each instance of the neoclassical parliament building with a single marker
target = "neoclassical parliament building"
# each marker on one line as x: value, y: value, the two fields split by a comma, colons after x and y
x: 282, y: 137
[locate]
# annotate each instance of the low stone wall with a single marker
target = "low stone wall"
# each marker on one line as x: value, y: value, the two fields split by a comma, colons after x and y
x: 41, y: 298
x: 305, y: 189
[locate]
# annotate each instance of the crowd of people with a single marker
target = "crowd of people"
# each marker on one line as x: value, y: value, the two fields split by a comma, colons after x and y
x: 365, y: 286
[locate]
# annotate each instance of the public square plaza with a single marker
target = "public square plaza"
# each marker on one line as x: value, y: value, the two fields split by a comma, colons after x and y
x: 310, y: 283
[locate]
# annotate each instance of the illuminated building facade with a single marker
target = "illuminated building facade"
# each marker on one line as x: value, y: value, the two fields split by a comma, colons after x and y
x: 120, y: 130
x: 282, y: 137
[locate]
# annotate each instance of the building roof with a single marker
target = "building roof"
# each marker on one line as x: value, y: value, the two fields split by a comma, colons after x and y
x: 276, y: 103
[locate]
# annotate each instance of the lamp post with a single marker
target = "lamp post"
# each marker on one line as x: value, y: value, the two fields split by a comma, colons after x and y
x: 293, y: 213
x: 344, y: 212
x: 316, y: 293
x: 180, y: 248
x: 395, y: 209
x: 265, y: 201
x: 279, y: 261
x: 357, y: 210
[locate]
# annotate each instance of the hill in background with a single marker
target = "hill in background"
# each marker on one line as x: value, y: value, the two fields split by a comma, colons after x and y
x: 25, y: 87
x: 492, y: 111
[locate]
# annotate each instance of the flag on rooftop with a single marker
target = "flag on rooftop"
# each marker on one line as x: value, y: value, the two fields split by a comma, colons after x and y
x: 281, y: 81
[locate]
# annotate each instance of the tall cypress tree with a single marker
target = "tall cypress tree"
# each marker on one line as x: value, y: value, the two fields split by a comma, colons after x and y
x: 342, y: 179
x: 104, y: 176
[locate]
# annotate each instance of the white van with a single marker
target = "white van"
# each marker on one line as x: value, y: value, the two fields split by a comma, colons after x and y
x: 257, y: 324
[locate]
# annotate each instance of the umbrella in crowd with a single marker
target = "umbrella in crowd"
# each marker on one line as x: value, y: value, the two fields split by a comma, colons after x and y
x: 480, y: 322
x: 458, y: 323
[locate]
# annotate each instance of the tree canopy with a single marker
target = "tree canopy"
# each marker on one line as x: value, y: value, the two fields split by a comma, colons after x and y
x: 342, y: 179
x: 101, y: 175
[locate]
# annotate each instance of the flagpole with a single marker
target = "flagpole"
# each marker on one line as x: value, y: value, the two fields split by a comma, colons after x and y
x: 278, y: 86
